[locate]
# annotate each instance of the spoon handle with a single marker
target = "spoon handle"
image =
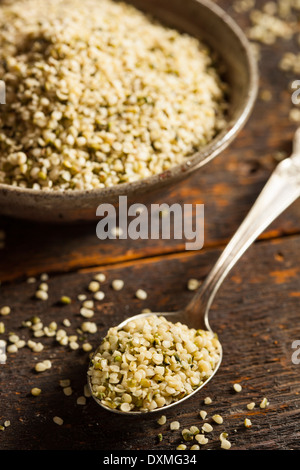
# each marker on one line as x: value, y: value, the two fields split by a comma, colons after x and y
x: 280, y: 191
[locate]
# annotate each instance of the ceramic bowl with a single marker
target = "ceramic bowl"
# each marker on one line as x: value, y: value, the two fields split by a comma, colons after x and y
x: 208, y: 22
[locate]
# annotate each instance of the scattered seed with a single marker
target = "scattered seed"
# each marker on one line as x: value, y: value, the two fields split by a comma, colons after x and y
x: 99, y: 295
x: 100, y: 277
x: 125, y: 407
x: 40, y: 367
x: 141, y: 294
x: 35, y: 347
x: 194, y: 430
x: 264, y: 403
x: 87, y: 347
x: 187, y: 435
x: 251, y: 405
x: 217, y: 419
x: 174, y: 426
x: 81, y: 400
x: 37, y: 326
x: 266, y: 95
x: 94, y: 286
x: 86, y: 312
x: 116, y: 232
x: 68, y: 391
x: 162, y: 420
x: 64, y: 341
x: 41, y: 295
x: 73, y: 345
x: 181, y: 447
x: 13, y: 338
x: 207, y: 401
x: 89, y: 327
x: 247, y: 423
x: 225, y: 444
x: 89, y: 304
x: 294, y: 115
x: 81, y: 297
x: 5, y: 310
x: 168, y: 377
x: 201, y: 439
x: 65, y: 383
x: 12, y: 348
x: 193, y: 284
x: 207, y: 427
x: 86, y: 391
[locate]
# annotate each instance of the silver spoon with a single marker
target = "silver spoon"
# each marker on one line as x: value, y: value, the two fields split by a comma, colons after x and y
x: 280, y: 191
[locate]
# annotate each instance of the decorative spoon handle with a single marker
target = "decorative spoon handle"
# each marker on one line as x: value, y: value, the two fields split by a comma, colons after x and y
x: 280, y: 191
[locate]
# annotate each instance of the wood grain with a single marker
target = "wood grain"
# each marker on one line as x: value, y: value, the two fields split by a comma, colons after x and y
x: 255, y: 313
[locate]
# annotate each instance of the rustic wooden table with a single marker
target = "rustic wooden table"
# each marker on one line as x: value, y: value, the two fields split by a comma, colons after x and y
x: 256, y: 312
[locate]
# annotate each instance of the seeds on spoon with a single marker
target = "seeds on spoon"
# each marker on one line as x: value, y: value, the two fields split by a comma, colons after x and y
x: 150, y: 363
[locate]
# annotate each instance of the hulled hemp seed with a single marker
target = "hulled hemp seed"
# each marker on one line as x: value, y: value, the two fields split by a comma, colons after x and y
x: 117, y: 284
x: 174, y: 426
x: 152, y: 362
x: 5, y: 310
x: 141, y: 294
x: 247, y: 423
x: 65, y: 126
x: 58, y: 420
x: 162, y: 420
x: 217, y: 419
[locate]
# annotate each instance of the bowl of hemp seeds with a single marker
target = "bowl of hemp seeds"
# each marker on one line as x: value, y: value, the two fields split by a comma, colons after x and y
x: 103, y: 98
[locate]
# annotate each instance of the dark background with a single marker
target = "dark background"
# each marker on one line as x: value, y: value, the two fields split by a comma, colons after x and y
x: 256, y: 312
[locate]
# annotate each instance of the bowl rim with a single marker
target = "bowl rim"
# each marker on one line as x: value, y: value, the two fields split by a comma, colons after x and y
x: 192, y: 163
